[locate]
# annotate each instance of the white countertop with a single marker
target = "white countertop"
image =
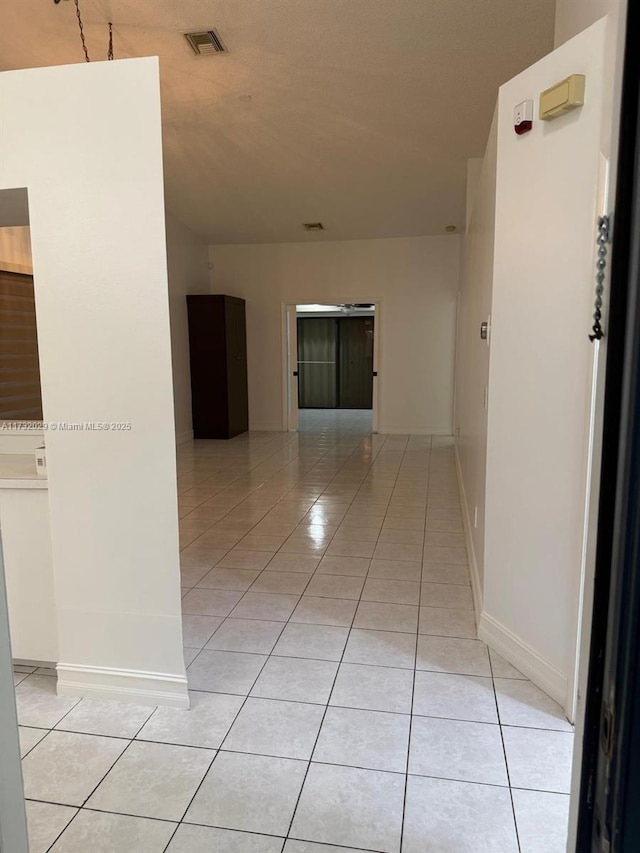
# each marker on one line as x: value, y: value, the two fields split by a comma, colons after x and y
x: 18, y: 471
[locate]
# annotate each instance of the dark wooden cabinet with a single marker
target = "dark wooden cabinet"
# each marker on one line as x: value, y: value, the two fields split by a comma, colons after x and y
x: 218, y: 356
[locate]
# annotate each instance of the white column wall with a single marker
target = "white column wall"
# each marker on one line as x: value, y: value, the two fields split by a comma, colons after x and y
x: 541, y: 370
x: 86, y: 142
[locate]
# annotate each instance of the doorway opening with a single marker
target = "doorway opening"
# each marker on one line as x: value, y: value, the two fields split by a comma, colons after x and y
x: 330, y: 358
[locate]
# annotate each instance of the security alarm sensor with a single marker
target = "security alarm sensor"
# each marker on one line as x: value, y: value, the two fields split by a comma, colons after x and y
x: 523, y: 117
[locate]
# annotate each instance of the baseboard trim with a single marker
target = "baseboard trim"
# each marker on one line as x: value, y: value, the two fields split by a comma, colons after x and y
x: 381, y: 430
x: 411, y: 430
x: 266, y: 428
x: 123, y: 685
x: 543, y: 673
x: 184, y: 437
x: 476, y: 586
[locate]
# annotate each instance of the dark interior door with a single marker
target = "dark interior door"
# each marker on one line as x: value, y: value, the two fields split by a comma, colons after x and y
x: 317, y: 356
x: 237, y: 390
x: 355, y: 363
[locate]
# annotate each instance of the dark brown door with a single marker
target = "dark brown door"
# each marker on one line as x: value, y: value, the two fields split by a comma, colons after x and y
x: 237, y: 388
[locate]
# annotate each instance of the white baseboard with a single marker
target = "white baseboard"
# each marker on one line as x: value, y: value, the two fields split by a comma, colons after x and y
x: 543, y: 673
x: 381, y: 430
x: 476, y: 586
x: 519, y: 654
x: 411, y: 430
x: 184, y: 437
x: 123, y: 685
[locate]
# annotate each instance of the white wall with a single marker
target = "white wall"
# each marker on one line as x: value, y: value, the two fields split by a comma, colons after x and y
x: 472, y: 360
x: 416, y: 281
x: 15, y: 249
x: 573, y: 16
x: 474, y: 169
x: 188, y: 270
x: 95, y: 183
x: 541, y: 370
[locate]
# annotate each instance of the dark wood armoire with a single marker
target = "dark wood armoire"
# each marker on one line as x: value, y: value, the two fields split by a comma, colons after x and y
x: 218, y: 356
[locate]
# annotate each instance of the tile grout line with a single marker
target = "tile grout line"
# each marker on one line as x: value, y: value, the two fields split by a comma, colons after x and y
x: 220, y: 748
x: 415, y: 660
x: 335, y: 678
x: 340, y: 480
x: 229, y: 615
x: 504, y: 751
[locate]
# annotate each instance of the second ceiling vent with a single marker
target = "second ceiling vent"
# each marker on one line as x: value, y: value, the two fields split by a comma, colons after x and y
x: 206, y: 43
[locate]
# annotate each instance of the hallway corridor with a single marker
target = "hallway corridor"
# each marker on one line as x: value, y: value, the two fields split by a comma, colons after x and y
x: 340, y: 699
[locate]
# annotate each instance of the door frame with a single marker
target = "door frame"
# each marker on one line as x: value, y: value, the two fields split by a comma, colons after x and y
x: 607, y: 778
x: 13, y: 824
x: 288, y: 392
x: 290, y: 386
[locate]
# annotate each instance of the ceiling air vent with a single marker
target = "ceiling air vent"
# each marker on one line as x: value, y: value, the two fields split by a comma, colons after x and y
x: 313, y: 226
x: 205, y: 43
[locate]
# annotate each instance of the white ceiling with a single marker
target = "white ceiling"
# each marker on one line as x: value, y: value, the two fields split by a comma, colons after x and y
x: 361, y: 115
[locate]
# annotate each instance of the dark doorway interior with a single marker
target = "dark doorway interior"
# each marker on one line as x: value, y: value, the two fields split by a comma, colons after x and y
x: 335, y: 362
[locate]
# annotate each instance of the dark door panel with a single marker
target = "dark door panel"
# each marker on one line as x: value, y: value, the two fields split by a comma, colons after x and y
x: 335, y: 362
x: 355, y: 363
x: 237, y: 380
x: 317, y: 356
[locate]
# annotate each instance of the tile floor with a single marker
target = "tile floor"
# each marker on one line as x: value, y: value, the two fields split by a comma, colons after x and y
x: 340, y: 699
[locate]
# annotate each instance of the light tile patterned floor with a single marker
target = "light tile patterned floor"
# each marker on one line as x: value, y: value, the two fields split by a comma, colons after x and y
x: 340, y: 699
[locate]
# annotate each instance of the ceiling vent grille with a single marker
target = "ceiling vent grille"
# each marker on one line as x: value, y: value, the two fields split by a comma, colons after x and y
x: 206, y: 43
